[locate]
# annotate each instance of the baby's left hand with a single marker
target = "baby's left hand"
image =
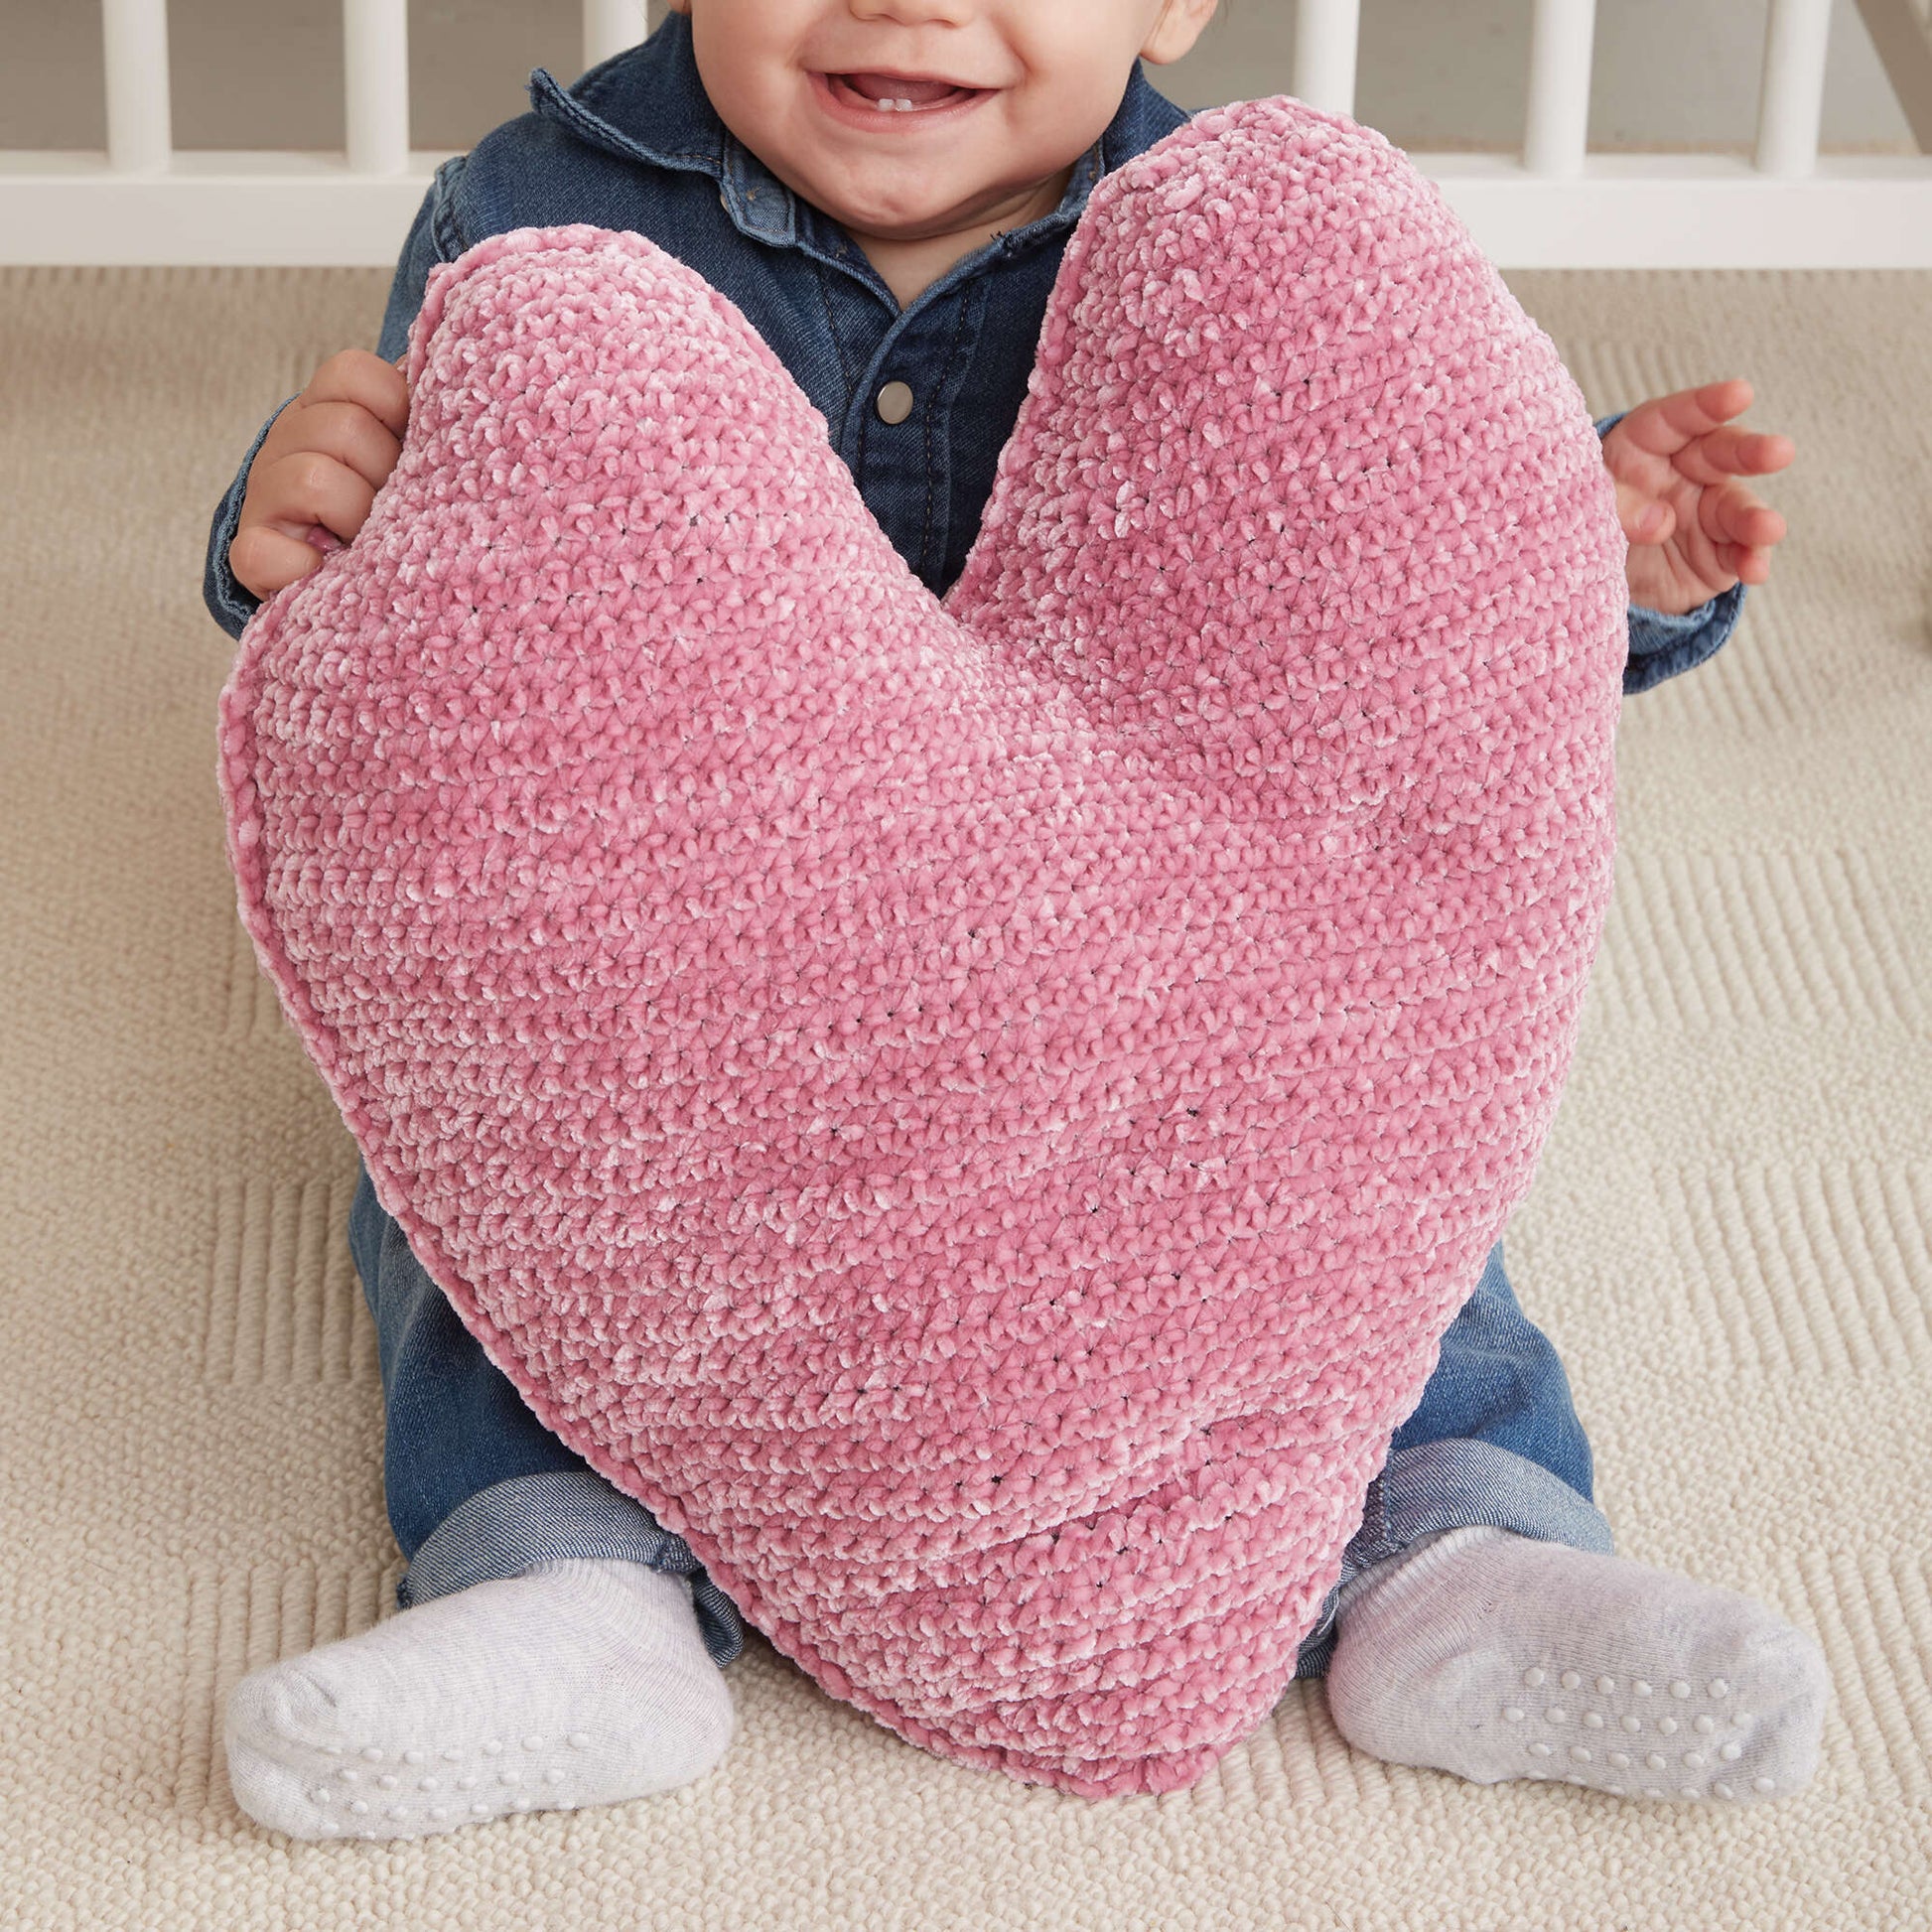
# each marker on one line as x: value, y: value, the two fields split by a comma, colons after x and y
x: 1693, y: 531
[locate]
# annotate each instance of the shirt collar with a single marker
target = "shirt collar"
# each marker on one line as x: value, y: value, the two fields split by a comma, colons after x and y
x: 649, y: 103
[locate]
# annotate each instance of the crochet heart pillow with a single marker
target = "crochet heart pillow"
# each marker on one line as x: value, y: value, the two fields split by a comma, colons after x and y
x: 977, y: 1112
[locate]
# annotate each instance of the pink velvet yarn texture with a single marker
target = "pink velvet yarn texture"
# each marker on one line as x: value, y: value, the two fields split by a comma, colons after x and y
x: 977, y: 1113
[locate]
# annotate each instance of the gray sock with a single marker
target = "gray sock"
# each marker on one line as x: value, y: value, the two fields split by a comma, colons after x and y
x: 1497, y: 1656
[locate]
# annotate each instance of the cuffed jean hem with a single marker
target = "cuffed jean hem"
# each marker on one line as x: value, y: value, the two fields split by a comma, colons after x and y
x: 1443, y: 1486
x: 513, y: 1526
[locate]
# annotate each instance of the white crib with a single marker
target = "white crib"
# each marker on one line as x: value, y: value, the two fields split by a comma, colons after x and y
x: 1551, y: 204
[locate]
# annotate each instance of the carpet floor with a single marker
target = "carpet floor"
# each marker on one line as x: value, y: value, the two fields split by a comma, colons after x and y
x: 1726, y: 1240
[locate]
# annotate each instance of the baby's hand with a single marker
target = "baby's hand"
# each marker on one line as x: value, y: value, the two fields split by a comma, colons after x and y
x: 318, y: 470
x: 1693, y: 531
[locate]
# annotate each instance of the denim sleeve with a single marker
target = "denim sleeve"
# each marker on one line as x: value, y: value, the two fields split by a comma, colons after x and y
x: 434, y: 237
x: 1664, y: 642
x: 434, y: 229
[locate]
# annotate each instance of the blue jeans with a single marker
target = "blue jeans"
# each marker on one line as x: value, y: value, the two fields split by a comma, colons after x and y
x: 477, y: 1487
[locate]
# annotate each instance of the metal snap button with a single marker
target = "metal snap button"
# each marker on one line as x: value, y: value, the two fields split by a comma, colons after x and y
x: 894, y: 402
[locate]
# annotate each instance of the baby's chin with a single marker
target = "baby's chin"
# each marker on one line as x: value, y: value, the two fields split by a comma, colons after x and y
x: 909, y: 224
x: 963, y: 208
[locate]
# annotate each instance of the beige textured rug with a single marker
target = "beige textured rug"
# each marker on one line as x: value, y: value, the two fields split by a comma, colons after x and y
x: 1726, y: 1240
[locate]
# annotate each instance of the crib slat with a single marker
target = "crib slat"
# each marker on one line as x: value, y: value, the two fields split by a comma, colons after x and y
x: 1326, y: 33
x: 134, y: 47
x: 375, y: 85
x: 1557, y: 127
x: 1793, y: 96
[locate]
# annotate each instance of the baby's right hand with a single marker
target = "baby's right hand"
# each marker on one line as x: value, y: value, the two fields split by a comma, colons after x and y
x: 319, y: 468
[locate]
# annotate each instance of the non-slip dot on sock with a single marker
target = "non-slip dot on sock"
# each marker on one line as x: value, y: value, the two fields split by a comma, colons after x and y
x: 977, y: 1114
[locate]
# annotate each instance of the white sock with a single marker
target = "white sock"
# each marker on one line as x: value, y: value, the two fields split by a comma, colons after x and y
x: 1497, y: 1656
x: 584, y: 1680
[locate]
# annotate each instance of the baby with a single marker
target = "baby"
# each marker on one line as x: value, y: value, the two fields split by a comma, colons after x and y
x: 885, y: 188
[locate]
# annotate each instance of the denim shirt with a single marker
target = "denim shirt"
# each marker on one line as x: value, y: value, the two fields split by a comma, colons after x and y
x: 636, y: 144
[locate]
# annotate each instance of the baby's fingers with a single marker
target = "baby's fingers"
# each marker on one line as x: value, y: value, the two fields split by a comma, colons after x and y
x: 285, y: 499
x: 1644, y: 519
x: 311, y: 486
x: 265, y: 560
x: 1746, y: 562
x: 1736, y: 517
x: 1734, y: 451
x: 1665, y: 424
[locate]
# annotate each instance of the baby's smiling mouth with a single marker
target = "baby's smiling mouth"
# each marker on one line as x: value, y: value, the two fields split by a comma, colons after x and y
x: 897, y: 93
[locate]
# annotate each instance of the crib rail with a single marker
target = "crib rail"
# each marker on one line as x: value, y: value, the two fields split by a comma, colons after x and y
x: 1552, y: 205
